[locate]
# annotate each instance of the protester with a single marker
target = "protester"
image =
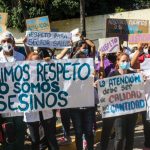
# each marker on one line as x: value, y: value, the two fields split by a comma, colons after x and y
x: 43, y: 118
x: 124, y: 125
x: 83, y: 118
x: 139, y: 57
x: 10, y: 53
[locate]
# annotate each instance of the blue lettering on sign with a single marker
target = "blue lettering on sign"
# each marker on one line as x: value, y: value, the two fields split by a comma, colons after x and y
x: 3, y: 105
x: 125, y: 80
x: 22, y: 100
x: 80, y: 69
x: 4, y: 88
x: 126, y: 106
x: 10, y: 103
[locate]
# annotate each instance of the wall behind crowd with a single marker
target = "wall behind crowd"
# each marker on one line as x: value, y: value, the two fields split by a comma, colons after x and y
x: 96, y: 25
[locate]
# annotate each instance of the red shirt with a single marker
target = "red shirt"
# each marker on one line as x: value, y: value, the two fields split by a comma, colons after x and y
x: 142, y: 57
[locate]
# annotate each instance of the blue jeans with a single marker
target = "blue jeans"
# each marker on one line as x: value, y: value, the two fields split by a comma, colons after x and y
x: 124, y: 129
x: 83, y: 121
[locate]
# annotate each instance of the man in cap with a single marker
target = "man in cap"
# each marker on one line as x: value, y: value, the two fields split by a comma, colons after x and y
x: 9, y: 54
x: 9, y: 51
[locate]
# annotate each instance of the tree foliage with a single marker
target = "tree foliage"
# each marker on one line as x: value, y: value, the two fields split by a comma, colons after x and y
x: 19, y: 10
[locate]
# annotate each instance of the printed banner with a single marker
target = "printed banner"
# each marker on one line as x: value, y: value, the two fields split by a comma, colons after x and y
x: 49, y: 39
x: 136, y: 38
x: 38, y: 24
x: 109, y: 45
x: 122, y: 27
x: 120, y: 95
x: 34, y: 86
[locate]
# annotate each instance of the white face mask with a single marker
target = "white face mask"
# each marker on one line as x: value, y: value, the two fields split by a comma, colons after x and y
x: 7, y: 47
x: 145, y: 50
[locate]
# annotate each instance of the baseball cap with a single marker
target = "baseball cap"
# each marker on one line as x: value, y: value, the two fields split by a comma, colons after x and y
x: 7, y: 35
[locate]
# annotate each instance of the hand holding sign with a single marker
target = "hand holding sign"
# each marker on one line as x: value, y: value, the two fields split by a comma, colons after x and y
x: 122, y: 95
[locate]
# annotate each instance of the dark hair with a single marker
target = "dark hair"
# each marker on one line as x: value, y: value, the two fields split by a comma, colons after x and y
x: 112, y: 57
x: 79, y: 43
x: 44, y: 52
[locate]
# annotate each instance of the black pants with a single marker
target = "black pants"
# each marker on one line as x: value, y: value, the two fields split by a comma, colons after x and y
x: 146, y: 125
x: 49, y: 132
x: 107, y: 126
x: 124, y: 129
x: 65, y: 119
x: 83, y: 121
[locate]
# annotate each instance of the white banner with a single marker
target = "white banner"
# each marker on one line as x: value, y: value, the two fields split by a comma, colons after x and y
x: 109, y: 45
x: 145, y: 67
x: 49, y: 39
x: 120, y: 95
x: 35, y: 85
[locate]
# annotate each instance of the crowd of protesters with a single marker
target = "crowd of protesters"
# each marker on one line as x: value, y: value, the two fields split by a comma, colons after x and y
x: 83, y: 119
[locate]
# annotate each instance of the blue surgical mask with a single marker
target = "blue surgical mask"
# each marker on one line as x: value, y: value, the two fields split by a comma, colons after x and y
x: 85, y: 51
x: 124, y: 65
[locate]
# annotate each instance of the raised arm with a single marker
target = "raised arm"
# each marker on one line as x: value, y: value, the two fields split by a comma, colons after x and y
x: 62, y: 53
x: 134, y: 61
x: 28, y: 50
x: 102, y: 71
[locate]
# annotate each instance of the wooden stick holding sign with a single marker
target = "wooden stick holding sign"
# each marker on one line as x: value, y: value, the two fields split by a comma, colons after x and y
x: 109, y: 45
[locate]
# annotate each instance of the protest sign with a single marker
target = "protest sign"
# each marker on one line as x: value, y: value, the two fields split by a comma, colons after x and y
x: 109, y: 45
x: 3, y: 21
x: 120, y: 95
x: 2, y: 28
x: 38, y: 24
x: 49, y: 39
x: 145, y: 67
x: 122, y: 27
x: 3, y: 18
x: 75, y: 37
x: 138, y: 38
x: 35, y: 85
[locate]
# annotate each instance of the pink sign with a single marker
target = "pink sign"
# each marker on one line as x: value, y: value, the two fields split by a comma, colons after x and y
x: 136, y: 38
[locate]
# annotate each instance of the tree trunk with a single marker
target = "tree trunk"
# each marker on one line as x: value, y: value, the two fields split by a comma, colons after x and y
x: 82, y: 17
x: 25, y: 13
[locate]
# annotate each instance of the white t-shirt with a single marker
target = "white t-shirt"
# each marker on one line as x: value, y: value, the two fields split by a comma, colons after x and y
x: 3, y: 59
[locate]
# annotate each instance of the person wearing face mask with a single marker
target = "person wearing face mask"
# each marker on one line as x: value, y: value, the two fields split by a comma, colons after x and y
x: 83, y: 118
x: 9, y: 54
x: 145, y: 53
x: 124, y: 125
